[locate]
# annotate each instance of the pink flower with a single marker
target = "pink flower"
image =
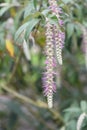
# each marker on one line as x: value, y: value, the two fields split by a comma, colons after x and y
x: 48, y: 83
x: 53, y: 51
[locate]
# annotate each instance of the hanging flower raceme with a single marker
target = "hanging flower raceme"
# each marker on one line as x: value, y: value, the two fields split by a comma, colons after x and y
x: 48, y: 83
x: 56, y: 10
x: 58, y: 43
x: 59, y: 35
x: 53, y: 50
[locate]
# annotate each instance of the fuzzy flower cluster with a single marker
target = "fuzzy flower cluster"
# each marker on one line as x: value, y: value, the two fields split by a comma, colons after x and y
x: 58, y: 34
x: 80, y: 120
x: 48, y: 83
x: 53, y: 50
x: 56, y: 10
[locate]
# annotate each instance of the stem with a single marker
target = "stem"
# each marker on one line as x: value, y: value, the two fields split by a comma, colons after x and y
x: 35, y: 32
x: 14, y: 68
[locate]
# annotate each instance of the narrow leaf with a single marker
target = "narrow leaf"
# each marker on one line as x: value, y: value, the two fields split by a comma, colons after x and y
x: 73, y: 109
x: 35, y: 3
x: 32, y: 23
x: 3, y: 10
x: 20, y: 30
x: 26, y: 50
x: 70, y: 29
x: 83, y: 106
x: 29, y: 9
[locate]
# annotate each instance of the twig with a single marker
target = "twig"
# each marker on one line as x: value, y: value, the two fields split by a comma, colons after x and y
x: 17, y: 95
x: 14, y: 68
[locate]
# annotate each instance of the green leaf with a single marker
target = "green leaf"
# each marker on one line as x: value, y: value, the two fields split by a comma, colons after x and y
x: 20, y: 30
x: 7, y: 1
x: 85, y: 23
x: 35, y: 3
x: 2, y: 38
x: 67, y: 1
x: 31, y: 24
x: 78, y: 30
x: 53, y: 20
x: 37, y: 14
x: 45, y: 12
x: 70, y: 29
x: 73, y: 109
x: 71, y: 125
x: 79, y: 12
x: 26, y: 50
x: 29, y: 9
x: 3, y: 10
x: 83, y: 106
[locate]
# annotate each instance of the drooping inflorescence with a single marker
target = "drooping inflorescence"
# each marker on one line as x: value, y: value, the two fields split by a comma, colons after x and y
x: 80, y: 120
x: 53, y: 50
x: 59, y: 35
x: 48, y: 83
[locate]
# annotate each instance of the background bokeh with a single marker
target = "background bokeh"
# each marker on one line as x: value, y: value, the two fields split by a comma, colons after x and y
x: 22, y: 40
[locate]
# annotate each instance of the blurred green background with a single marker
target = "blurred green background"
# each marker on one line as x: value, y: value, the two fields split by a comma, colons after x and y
x: 22, y: 40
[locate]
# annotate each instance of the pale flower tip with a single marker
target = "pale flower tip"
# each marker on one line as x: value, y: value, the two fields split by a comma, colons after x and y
x: 50, y: 101
x: 60, y: 62
x: 50, y: 105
